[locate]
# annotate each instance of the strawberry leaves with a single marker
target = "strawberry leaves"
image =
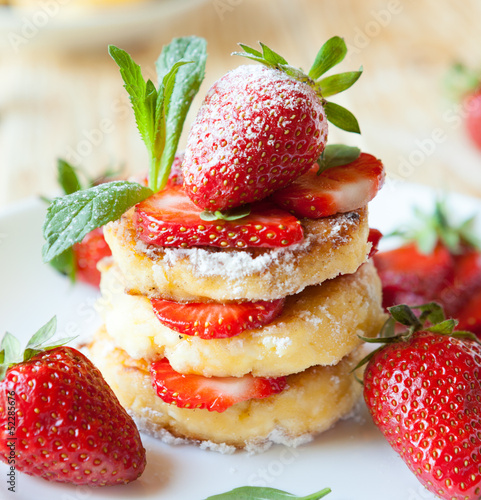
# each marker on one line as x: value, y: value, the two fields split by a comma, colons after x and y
x: 438, y: 227
x: 12, y: 354
x: 264, y: 493
x: 70, y: 218
x: 329, y: 55
x: 160, y: 112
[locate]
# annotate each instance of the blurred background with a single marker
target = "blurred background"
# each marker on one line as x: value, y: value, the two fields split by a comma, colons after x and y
x: 61, y: 95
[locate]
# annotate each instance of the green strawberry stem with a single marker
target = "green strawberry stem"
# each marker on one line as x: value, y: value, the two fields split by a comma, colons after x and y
x: 430, y: 319
x: 435, y: 227
x: 329, y: 55
x: 11, y: 353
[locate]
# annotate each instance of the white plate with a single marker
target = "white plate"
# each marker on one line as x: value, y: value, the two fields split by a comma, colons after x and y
x: 352, y: 458
x: 57, y: 29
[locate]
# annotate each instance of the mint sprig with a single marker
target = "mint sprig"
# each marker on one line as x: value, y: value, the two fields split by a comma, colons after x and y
x: 160, y: 111
x: 70, y: 218
x: 262, y: 493
x: 11, y: 352
x: 336, y: 155
x: 67, y: 177
x: 329, y: 55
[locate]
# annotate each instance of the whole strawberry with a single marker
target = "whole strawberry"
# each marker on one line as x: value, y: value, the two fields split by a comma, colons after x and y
x: 59, y: 419
x: 260, y: 127
x: 423, y: 389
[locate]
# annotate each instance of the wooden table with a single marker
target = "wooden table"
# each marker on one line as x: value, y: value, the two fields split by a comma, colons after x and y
x: 57, y: 103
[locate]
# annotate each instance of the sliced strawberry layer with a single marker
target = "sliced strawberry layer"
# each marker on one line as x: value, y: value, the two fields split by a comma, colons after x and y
x: 411, y: 277
x: 209, y: 393
x: 337, y: 190
x: 214, y: 320
x: 87, y: 253
x: 170, y: 218
x: 374, y: 238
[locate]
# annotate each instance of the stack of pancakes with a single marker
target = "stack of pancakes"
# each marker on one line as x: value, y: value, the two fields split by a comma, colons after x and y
x: 333, y: 296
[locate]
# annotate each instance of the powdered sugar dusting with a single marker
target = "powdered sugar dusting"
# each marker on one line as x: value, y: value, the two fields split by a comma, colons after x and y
x: 238, y: 264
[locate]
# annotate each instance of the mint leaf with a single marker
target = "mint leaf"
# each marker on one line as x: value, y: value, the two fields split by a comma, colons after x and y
x: 330, y: 54
x: 67, y: 177
x: 70, y: 218
x: 178, y: 97
x: 341, y: 117
x: 335, y: 84
x: 136, y: 87
x: 261, y: 493
x: 335, y: 155
x: 229, y: 215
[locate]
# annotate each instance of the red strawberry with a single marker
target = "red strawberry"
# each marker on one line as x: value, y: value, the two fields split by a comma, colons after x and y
x: 374, y: 238
x: 336, y: 190
x: 472, y: 105
x: 69, y: 426
x: 257, y: 130
x: 469, y: 315
x: 176, y: 177
x: 87, y: 253
x: 214, y: 320
x: 211, y: 393
x: 260, y: 127
x: 423, y: 392
x: 465, y: 281
x: 409, y: 276
x: 169, y: 218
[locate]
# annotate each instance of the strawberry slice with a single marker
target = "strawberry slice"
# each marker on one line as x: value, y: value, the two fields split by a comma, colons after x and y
x: 411, y: 277
x: 374, y: 238
x: 170, y: 218
x: 213, y: 320
x: 337, y: 190
x: 210, y: 393
x: 87, y: 253
x: 469, y: 316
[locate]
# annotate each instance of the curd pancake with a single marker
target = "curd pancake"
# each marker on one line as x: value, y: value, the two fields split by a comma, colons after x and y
x: 332, y: 246
x: 319, y: 326
x: 313, y: 401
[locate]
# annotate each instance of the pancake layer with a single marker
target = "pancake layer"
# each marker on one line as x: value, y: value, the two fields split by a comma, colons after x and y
x: 314, y: 400
x: 332, y: 246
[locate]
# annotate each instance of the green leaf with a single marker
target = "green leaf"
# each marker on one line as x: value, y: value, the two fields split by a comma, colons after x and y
x: 335, y: 84
x: 404, y: 315
x: 136, y: 87
x: 432, y: 312
x: 341, y: 117
x: 271, y: 56
x: 65, y: 264
x: 330, y: 54
x: 250, y: 51
x: 445, y: 327
x: 70, y: 218
x: 229, y: 215
x: 67, y: 177
x: 166, y: 134
x: 11, y: 353
x: 178, y: 98
x: 45, y: 333
x: 335, y: 155
x: 263, y: 493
